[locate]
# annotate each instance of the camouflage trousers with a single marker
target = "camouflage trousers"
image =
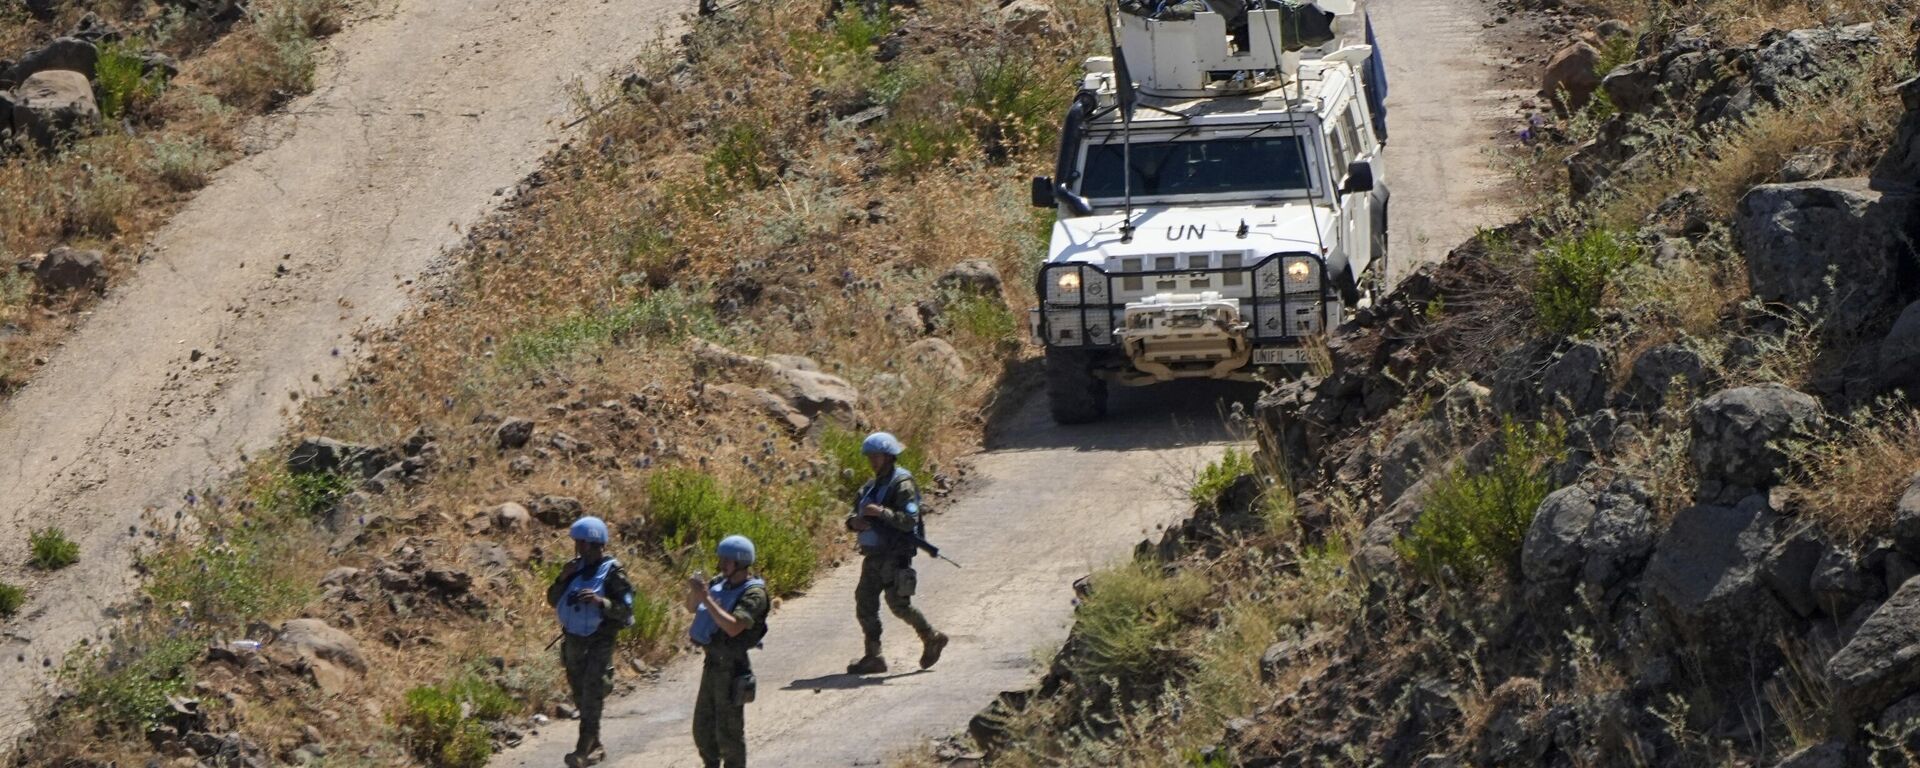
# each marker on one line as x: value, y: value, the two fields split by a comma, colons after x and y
x: 890, y: 576
x: 589, y: 665
x: 719, y: 717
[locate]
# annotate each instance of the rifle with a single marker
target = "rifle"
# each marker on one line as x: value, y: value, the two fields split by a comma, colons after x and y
x: 918, y: 543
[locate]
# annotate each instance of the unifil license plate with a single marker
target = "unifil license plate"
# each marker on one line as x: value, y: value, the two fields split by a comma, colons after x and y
x: 1279, y: 356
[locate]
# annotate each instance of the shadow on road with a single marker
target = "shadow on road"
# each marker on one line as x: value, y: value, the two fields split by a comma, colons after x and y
x: 1155, y: 417
x: 843, y: 681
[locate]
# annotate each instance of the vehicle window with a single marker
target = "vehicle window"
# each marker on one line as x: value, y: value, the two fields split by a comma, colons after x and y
x: 1350, y: 128
x: 1214, y: 166
x: 1341, y: 155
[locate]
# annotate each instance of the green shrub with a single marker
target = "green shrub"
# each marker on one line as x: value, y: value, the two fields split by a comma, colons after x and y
x: 437, y: 731
x: 850, y: 466
x: 96, y: 207
x: 11, y: 599
x: 856, y: 33
x: 693, y: 514
x: 244, y: 577
x: 303, y: 495
x: 1219, y: 475
x: 132, y: 693
x: 982, y: 320
x: 1571, y: 276
x: 1129, y: 616
x: 49, y: 549
x: 121, y: 81
x: 652, y: 624
x: 915, y: 144
x: 666, y: 315
x: 183, y: 164
x: 1010, y: 102
x: 740, y: 157
x: 1474, y: 523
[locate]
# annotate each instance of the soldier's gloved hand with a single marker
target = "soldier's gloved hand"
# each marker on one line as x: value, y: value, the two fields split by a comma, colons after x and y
x: 873, y: 510
x: 573, y: 567
x: 588, y: 596
x: 857, y: 523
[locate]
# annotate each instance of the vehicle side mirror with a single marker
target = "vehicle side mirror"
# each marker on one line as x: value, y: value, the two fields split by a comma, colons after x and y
x: 1043, y: 192
x: 1359, y: 177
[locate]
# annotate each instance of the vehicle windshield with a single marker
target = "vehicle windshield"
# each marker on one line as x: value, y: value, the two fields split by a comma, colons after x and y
x: 1200, y: 167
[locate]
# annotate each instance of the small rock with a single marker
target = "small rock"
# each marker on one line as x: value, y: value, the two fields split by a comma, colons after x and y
x: 511, y: 516
x: 513, y: 433
x: 1570, y: 79
x: 557, y: 511
x: 973, y: 278
x: 333, y: 656
x: 69, y: 269
x: 936, y: 359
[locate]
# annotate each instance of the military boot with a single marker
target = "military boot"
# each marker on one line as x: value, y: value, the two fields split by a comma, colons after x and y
x: 930, y: 649
x: 867, y: 665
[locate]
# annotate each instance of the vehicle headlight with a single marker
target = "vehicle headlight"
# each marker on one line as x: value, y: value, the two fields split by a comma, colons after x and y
x: 1068, y: 281
x: 1303, y: 273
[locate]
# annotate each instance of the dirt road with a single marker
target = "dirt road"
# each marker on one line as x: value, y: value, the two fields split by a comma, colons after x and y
x: 1053, y: 503
x: 1447, y: 105
x: 255, y: 289
x: 1050, y: 504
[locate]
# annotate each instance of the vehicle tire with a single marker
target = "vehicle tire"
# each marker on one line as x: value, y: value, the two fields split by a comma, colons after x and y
x: 1074, y: 394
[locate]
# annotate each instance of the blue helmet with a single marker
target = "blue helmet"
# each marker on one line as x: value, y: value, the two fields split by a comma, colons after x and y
x: 881, y: 442
x: 589, y: 529
x: 736, y: 548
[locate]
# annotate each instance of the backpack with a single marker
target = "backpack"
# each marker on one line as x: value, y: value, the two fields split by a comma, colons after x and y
x: 758, y: 632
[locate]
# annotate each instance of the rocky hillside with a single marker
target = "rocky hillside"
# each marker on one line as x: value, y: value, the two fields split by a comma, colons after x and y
x: 1632, y: 481
x: 681, y: 323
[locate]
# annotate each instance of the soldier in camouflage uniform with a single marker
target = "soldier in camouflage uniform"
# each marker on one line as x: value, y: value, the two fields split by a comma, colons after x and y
x: 889, y: 504
x: 729, y: 618
x: 594, y: 601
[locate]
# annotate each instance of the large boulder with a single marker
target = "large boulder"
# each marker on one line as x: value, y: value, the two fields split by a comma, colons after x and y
x: 817, y: 395
x: 974, y: 277
x: 1899, y: 354
x: 316, y: 455
x: 1570, y: 79
x: 1576, y: 382
x: 1705, y: 577
x: 332, y: 656
x: 513, y: 433
x: 775, y: 407
x: 68, y: 53
x: 935, y: 360
x: 53, y: 106
x: 1659, y: 370
x: 1789, y: 64
x: 1836, y: 244
x: 1740, y: 435
x: 1881, y: 664
x: 1597, y: 538
x: 71, y: 269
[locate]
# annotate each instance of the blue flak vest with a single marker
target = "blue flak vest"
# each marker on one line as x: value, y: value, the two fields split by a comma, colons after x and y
x: 877, y: 493
x: 703, y: 623
x: 582, y: 619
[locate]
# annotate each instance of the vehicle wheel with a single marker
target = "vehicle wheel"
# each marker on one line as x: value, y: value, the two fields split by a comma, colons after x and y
x: 1349, y: 288
x: 1074, y: 394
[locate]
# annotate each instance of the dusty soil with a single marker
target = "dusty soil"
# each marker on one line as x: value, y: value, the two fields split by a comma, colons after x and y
x: 1449, y: 101
x: 256, y: 291
x: 1052, y: 503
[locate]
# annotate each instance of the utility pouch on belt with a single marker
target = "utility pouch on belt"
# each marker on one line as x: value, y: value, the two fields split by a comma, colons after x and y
x: 745, y: 688
x: 904, y: 582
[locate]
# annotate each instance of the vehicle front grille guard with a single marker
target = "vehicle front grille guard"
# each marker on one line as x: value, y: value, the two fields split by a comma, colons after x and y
x: 1096, y: 294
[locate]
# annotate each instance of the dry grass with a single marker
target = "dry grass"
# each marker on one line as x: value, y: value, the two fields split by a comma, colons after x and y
x: 1742, y: 21
x: 1850, y: 486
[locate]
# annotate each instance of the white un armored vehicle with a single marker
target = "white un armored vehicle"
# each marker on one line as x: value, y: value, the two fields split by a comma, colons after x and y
x: 1233, y: 217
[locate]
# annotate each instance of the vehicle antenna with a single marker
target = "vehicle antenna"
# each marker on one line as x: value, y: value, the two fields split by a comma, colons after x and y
x: 1300, y: 87
x: 1123, y: 91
